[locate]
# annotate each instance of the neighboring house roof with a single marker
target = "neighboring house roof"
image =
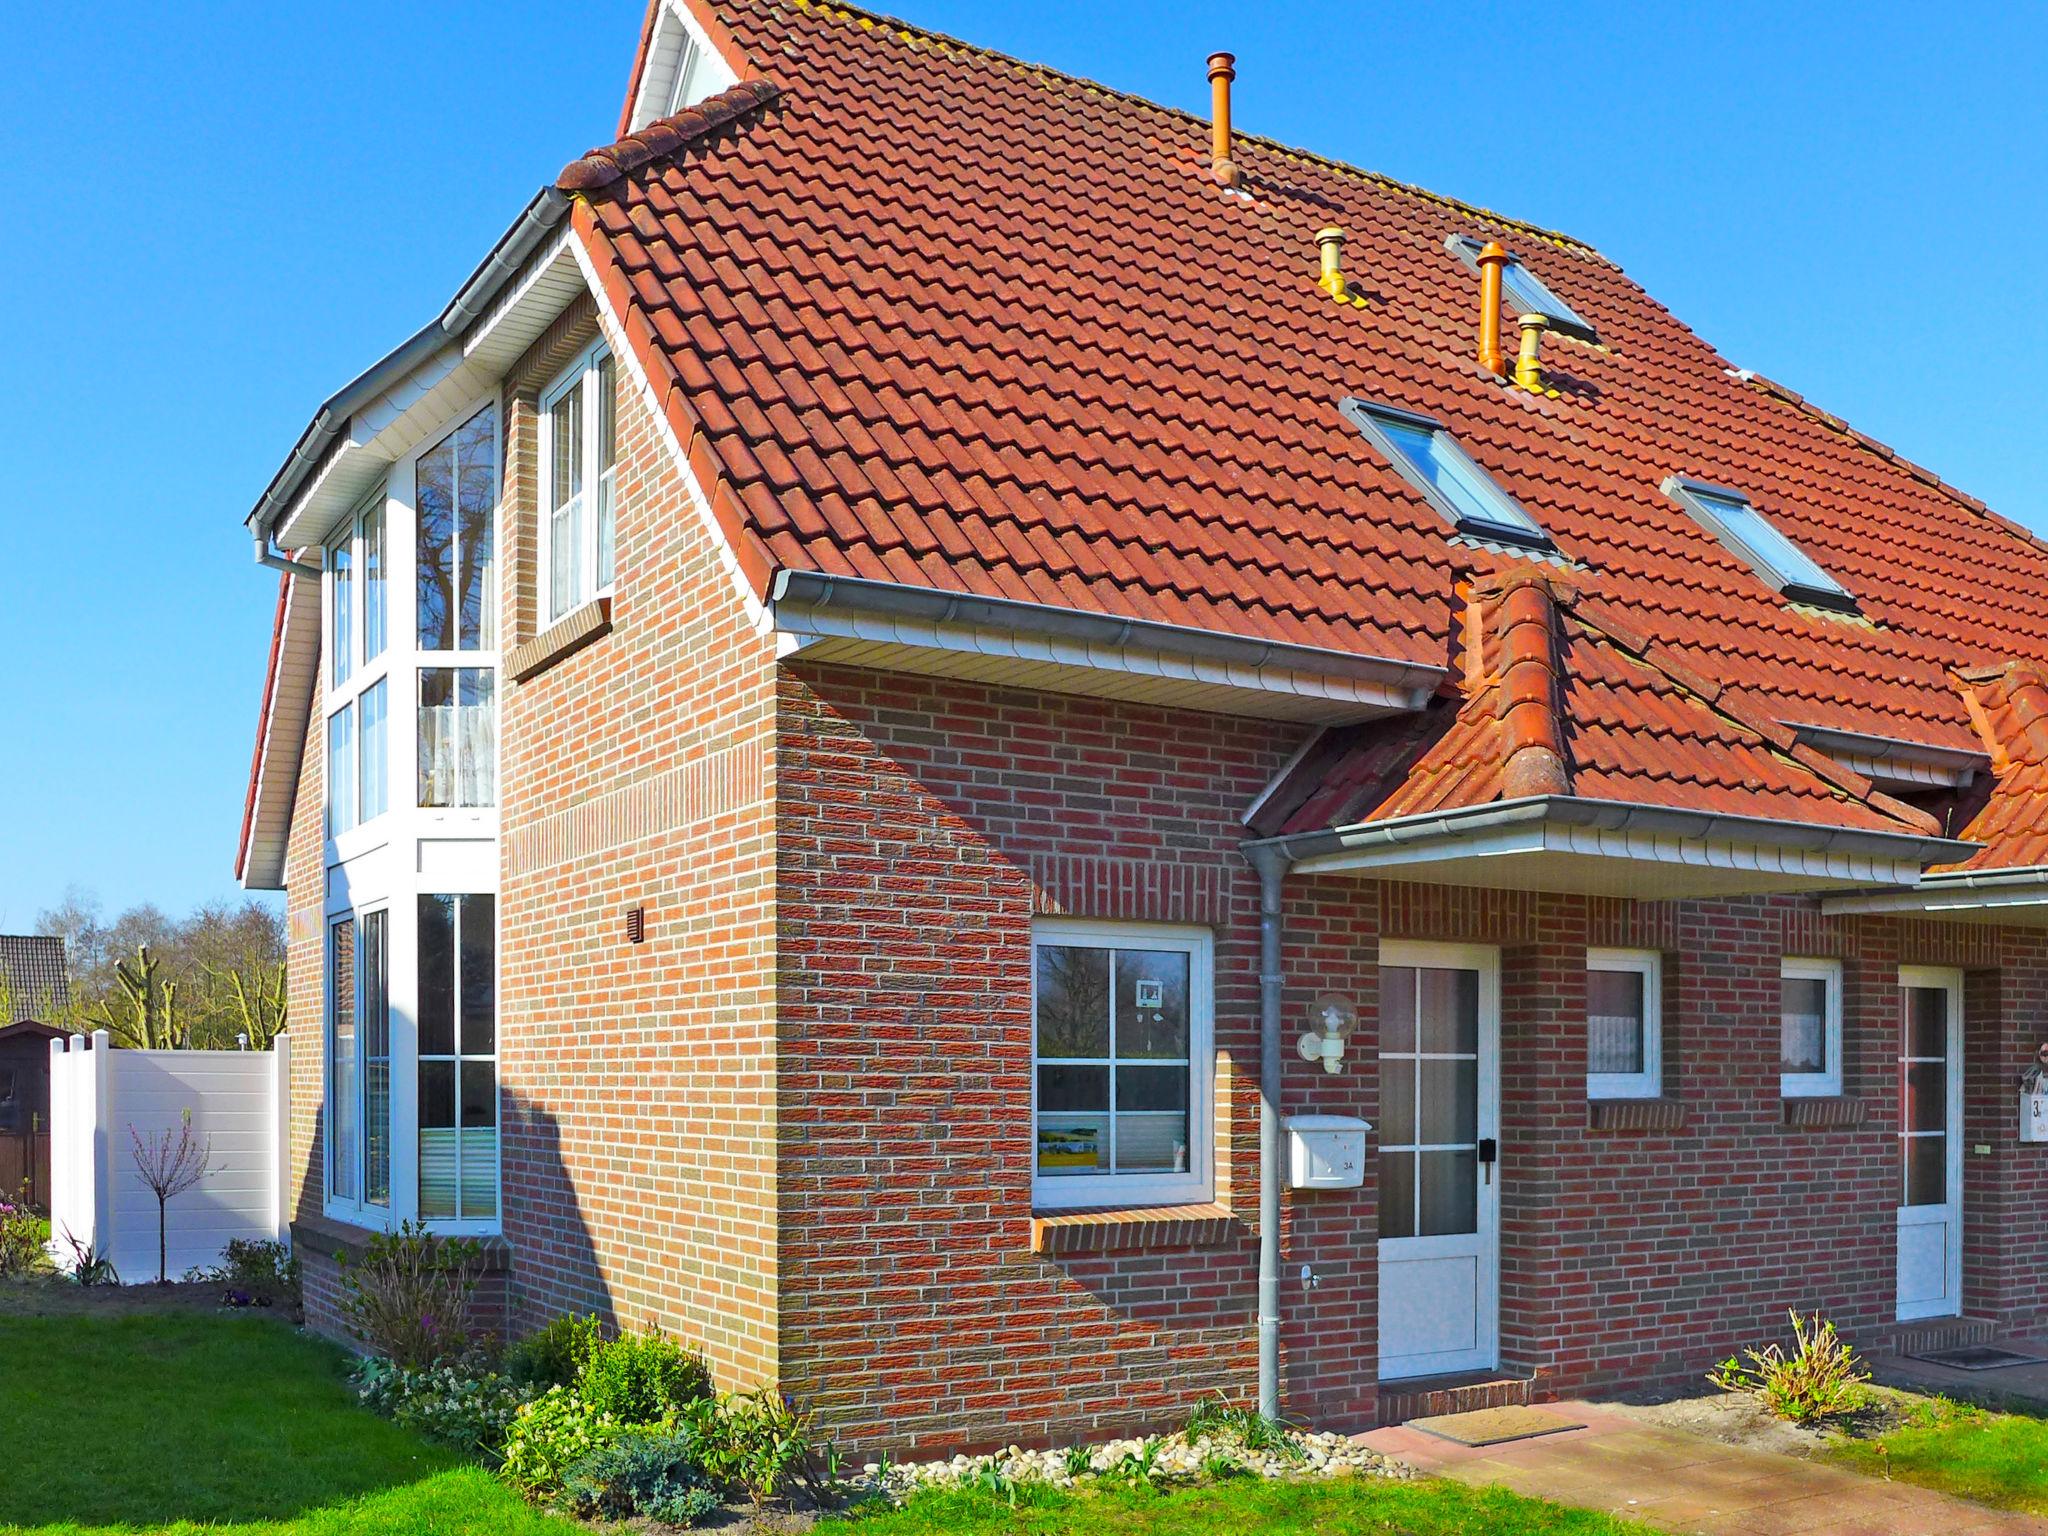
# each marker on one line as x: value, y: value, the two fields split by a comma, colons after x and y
x: 33, y: 971
x: 926, y: 315
x: 31, y: 1029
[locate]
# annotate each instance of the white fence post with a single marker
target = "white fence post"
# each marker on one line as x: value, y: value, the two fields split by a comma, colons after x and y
x: 281, y: 1134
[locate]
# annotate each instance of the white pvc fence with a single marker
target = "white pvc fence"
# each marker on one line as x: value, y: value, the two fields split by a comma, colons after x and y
x: 101, y: 1099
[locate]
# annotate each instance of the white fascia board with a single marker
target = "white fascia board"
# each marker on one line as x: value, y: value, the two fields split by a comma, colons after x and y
x: 286, y: 714
x: 1986, y: 892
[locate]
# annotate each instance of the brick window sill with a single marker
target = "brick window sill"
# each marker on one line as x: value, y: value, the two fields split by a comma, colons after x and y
x: 560, y: 641
x: 1824, y: 1114
x: 1165, y: 1226
x: 1635, y: 1114
x: 345, y: 1241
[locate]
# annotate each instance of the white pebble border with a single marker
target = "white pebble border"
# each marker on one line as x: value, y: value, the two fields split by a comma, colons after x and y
x: 1177, y: 1459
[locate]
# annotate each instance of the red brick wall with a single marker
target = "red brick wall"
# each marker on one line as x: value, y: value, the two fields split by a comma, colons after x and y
x: 922, y: 822
x: 638, y: 1078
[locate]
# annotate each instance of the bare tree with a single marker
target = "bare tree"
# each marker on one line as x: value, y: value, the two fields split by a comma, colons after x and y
x: 170, y: 1163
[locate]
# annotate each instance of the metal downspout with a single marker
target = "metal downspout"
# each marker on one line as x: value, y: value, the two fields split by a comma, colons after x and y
x: 1272, y: 866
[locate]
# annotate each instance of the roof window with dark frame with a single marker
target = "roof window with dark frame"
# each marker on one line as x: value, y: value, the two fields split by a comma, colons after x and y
x: 1424, y: 453
x: 1526, y: 292
x: 1733, y: 519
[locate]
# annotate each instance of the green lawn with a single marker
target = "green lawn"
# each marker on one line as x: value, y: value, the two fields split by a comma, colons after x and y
x: 1340, y: 1506
x: 2000, y: 1459
x: 120, y: 1417
x: 167, y: 1422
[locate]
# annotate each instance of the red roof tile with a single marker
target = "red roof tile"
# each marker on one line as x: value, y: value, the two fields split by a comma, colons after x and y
x: 937, y: 316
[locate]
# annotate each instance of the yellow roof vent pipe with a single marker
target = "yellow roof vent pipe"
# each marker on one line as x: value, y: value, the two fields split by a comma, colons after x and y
x: 1330, y: 241
x: 1491, y: 260
x: 1222, y: 70
x: 1528, y: 360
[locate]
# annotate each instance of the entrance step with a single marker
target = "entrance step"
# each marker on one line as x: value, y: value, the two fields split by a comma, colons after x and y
x: 1422, y: 1397
x: 1937, y: 1333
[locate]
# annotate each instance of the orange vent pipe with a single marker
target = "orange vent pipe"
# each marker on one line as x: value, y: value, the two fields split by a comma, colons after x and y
x: 1222, y: 70
x: 1491, y: 260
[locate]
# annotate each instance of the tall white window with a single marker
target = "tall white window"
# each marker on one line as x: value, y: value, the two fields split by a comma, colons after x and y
x: 579, y: 457
x: 1123, y: 1048
x: 456, y: 483
x: 1624, y: 1033
x: 1810, y: 1028
x: 458, y: 1058
x: 357, y: 699
x: 359, y: 1061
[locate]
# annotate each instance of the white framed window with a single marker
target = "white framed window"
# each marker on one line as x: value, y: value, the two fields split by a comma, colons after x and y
x: 1752, y: 538
x: 579, y: 451
x: 455, y: 722
x: 682, y: 68
x: 359, y: 1061
x: 1424, y: 454
x: 1123, y: 1064
x: 458, y: 1058
x: 357, y: 700
x: 1624, y: 1024
x: 341, y: 770
x: 1810, y: 1028
x: 341, y: 608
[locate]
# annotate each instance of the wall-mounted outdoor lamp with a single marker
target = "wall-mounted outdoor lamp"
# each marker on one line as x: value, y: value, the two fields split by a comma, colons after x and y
x: 1331, y: 1019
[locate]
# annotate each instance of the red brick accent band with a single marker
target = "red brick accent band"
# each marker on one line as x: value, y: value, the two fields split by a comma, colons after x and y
x: 1171, y: 1226
x: 1635, y: 1114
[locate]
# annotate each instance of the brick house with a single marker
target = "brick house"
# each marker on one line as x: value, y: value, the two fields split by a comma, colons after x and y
x: 937, y: 683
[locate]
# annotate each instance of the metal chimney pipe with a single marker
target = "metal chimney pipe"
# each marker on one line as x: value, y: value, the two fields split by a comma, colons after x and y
x: 1222, y: 70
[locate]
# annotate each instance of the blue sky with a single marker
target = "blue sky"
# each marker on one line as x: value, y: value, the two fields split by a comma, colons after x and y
x: 220, y: 212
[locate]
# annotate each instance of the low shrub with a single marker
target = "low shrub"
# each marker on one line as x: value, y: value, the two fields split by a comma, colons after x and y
x: 23, y: 1239
x: 642, y: 1378
x: 555, y: 1355
x: 407, y: 1298
x: 550, y: 1435
x: 651, y: 1472
x: 256, y: 1272
x: 756, y: 1443
x: 1818, y: 1380
x: 460, y: 1403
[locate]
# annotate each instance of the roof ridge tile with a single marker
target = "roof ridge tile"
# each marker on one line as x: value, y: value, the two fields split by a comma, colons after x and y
x: 597, y: 169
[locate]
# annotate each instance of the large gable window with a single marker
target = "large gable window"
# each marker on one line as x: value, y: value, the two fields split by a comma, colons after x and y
x: 1526, y: 292
x: 1122, y: 1051
x: 579, y: 453
x: 682, y: 69
x: 456, y: 482
x: 1731, y: 518
x: 1428, y: 458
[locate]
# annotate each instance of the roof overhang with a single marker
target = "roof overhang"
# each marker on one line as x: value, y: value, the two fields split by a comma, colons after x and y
x: 857, y: 622
x: 1894, y: 764
x: 1610, y: 848
x: 412, y: 394
x: 287, y: 708
x: 2016, y: 897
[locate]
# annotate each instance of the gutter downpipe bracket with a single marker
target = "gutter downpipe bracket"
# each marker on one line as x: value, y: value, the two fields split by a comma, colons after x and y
x: 277, y: 560
x: 1273, y: 864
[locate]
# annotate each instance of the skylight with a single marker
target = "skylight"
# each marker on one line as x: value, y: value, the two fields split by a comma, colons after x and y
x: 1731, y: 518
x: 1426, y: 456
x: 1526, y: 292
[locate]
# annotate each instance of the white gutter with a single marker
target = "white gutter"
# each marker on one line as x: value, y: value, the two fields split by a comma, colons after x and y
x: 1982, y: 890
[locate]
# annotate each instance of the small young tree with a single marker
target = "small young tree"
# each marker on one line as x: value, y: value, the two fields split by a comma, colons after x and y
x: 170, y: 1163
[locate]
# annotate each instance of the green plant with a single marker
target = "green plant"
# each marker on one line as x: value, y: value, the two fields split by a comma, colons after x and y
x: 1217, y: 1416
x: 1136, y: 1467
x: 88, y: 1265
x: 548, y: 1436
x: 757, y: 1443
x: 462, y: 1403
x: 407, y: 1297
x: 991, y: 1479
x: 1216, y: 1466
x: 642, y: 1378
x: 258, y: 1271
x: 651, y: 1472
x: 1080, y: 1461
x: 1818, y: 1380
x: 554, y: 1356
x: 23, y: 1240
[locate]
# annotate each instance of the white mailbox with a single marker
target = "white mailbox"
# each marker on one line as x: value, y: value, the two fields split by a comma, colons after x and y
x: 2034, y: 1115
x: 1326, y: 1151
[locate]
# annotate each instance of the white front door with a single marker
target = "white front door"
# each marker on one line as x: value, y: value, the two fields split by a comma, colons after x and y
x: 1439, y: 1040
x: 1930, y: 1143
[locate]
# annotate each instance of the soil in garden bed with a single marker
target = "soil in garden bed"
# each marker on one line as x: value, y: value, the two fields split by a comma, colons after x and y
x: 56, y: 1296
x: 1735, y: 1418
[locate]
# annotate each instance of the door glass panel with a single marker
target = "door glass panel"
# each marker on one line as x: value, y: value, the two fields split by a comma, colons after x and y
x: 1397, y: 1008
x: 1450, y: 1194
x: 1450, y: 1101
x: 1397, y: 1194
x: 1397, y: 1101
x: 1926, y: 1096
x: 1448, y: 1010
x: 1926, y: 1172
x: 1926, y: 1022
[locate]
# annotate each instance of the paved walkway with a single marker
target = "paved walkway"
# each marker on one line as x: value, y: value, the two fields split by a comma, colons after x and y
x: 1698, y: 1487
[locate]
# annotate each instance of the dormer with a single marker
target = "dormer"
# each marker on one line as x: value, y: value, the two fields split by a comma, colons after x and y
x: 683, y: 67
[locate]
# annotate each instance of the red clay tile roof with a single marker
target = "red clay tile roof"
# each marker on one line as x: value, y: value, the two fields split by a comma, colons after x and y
x: 1561, y: 698
x: 925, y: 314
x: 2009, y: 706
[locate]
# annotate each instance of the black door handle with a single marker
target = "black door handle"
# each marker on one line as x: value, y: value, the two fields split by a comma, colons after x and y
x: 1489, y: 1152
